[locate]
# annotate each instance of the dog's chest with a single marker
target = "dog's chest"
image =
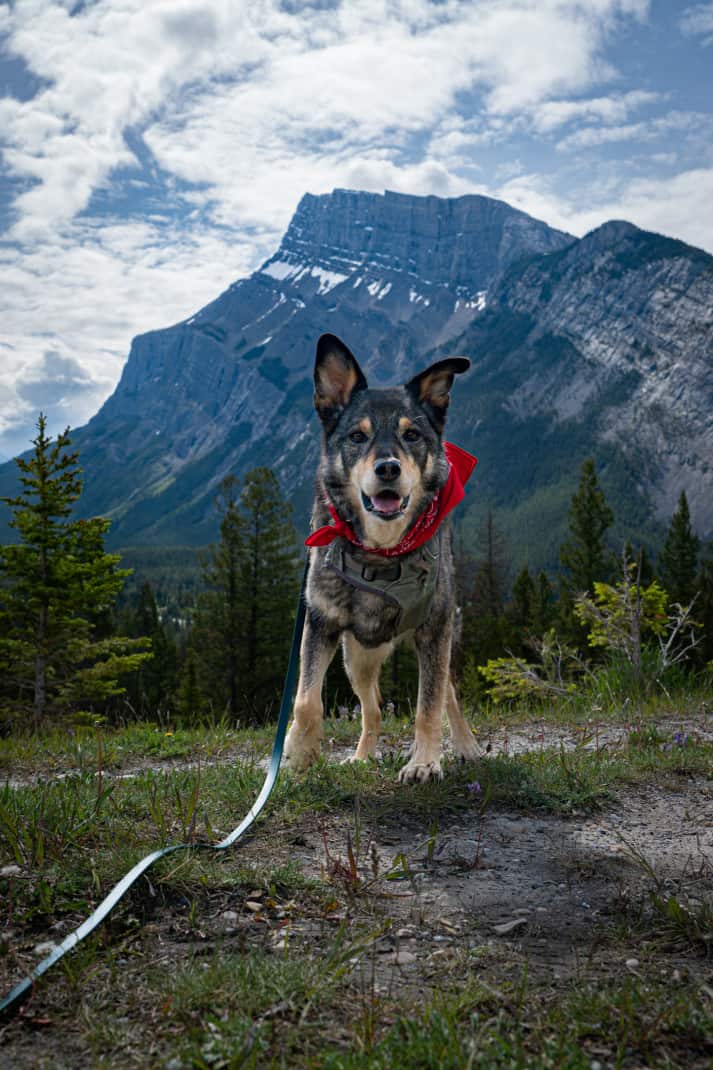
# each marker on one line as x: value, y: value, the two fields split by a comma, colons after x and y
x: 377, y: 600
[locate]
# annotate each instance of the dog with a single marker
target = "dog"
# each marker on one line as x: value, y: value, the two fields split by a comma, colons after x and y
x: 381, y: 556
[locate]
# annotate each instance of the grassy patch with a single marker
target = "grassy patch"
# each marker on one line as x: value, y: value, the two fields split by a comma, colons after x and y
x: 284, y: 952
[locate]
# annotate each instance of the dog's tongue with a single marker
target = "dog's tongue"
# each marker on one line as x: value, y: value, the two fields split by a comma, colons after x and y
x: 386, y: 503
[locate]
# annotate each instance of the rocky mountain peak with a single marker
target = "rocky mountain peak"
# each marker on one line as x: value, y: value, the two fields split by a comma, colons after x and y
x: 600, y: 346
x: 461, y: 242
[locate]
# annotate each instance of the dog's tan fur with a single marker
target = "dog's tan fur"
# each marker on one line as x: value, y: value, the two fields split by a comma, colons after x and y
x: 360, y: 620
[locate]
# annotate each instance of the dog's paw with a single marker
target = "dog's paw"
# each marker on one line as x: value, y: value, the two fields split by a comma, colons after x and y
x: 419, y: 772
x: 356, y: 759
x: 302, y: 748
x: 465, y: 749
x: 366, y: 748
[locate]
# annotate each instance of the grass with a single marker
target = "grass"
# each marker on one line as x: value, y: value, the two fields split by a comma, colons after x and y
x: 83, y: 831
x: 259, y: 959
x: 225, y: 1010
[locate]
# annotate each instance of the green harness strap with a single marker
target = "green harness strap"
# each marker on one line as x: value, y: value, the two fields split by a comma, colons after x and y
x: 406, y: 583
x: 14, y: 1000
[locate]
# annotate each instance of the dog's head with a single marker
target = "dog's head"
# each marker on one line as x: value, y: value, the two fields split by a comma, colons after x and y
x: 382, y: 457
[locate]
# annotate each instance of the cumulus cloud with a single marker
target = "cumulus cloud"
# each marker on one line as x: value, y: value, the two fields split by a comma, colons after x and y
x: 220, y: 114
x: 677, y: 205
x: 648, y: 130
x: 697, y: 21
x: 56, y: 378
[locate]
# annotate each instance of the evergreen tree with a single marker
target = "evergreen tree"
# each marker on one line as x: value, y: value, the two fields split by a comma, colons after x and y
x: 243, y: 621
x: 219, y: 633
x: 678, y: 562
x: 151, y: 688
x: 190, y: 698
x: 584, y: 554
x: 703, y: 609
x: 58, y: 587
x: 522, y: 603
x: 544, y: 610
x: 484, y: 622
x: 520, y: 612
x: 268, y: 590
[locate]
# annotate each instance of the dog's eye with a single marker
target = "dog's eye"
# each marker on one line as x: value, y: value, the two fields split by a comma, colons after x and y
x: 357, y: 436
x: 412, y: 434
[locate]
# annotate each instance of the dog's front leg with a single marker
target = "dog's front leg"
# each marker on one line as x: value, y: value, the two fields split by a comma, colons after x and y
x: 305, y: 735
x: 434, y: 655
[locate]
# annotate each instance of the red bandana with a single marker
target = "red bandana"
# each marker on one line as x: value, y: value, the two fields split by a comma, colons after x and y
x: 460, y: 465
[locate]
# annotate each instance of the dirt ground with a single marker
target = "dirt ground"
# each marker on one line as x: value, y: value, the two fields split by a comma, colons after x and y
x: 506, y: 891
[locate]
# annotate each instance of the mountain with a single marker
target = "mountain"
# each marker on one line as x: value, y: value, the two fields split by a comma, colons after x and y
x: 597, y: 346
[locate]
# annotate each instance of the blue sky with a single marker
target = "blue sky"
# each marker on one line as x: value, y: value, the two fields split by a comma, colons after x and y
x: 153, y: 151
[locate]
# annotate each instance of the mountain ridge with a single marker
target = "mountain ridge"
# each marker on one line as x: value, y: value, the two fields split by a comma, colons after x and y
x: 600, y: 345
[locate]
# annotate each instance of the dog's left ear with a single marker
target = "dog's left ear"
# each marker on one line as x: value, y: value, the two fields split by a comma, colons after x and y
x: 432, y: 388
x: 336, y: 377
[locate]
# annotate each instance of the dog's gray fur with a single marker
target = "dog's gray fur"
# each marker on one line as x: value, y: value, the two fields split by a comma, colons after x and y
x: 398, y: 431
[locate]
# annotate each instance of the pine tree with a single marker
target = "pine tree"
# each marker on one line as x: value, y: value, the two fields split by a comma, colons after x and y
x: 190, y: 698
x: 484, y: 623
x: 269, y: 587
x: 584, y: 554
x: 151, y: 689
x: 678, y: 563
x: 218, y: 639
x: 543, y: 607
x: 703, y: 610
x: 58, y: 585
x: 244, y: 619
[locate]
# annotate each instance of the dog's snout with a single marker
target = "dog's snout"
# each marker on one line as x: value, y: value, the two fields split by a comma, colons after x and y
x: 387, y: 469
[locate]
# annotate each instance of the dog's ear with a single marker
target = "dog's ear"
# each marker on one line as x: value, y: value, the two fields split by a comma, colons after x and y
x: 432, y: 388
x: 336, y: 377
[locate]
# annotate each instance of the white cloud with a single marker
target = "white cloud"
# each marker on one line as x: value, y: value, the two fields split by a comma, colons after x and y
x: 697, y: 21
x: 550, y: 114
x: 648, y: 130
x: 85, y: 292
x: 677, y: 206
x: 245, y: 106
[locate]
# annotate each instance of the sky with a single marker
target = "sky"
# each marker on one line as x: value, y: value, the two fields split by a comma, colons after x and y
x: 153, y: 151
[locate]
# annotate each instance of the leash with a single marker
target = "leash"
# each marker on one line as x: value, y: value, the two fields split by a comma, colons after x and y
x: 14, y: 999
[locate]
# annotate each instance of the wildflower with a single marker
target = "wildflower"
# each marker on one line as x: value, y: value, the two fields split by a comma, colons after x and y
x: 168, y: 734
x: 474, y: 788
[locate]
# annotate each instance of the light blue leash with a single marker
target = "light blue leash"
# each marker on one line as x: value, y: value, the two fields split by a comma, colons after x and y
x: 14, y: 999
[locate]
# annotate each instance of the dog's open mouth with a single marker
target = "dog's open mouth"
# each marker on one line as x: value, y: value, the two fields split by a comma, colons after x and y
x: 387, y: 504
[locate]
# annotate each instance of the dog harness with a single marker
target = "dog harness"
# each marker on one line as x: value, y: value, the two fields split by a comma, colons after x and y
x: 408, y: 579
x: 407, y: 584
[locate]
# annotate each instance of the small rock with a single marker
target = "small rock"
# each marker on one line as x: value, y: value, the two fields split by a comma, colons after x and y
x: 509, y: 926
x: 403, y: 958
x: 229, y: 915
x: 632, y: 963
x: 253, y: 906
x: 44, y: 949
x: 405, y: 934
x: 522, y: 911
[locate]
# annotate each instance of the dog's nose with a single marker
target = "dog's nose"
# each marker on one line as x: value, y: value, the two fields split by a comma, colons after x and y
x: 387, y: 469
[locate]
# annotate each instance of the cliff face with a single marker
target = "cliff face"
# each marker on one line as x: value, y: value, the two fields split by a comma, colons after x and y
x: 595, y: 347
x: 231, y: 386
x: 618, y: 336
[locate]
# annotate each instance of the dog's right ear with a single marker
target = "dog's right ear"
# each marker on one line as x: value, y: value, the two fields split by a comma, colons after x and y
x: 336, y: 377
